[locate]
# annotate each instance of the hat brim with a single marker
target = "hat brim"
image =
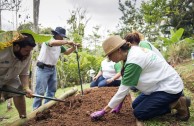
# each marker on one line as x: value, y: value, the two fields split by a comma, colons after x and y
x: 115, y: 48
x: 62, y: 35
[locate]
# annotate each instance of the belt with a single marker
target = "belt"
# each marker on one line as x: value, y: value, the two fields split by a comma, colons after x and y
x: 42, y: 65
x: 51, y: 66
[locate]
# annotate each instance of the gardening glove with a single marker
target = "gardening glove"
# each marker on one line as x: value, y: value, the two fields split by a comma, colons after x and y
x: 98, y: 114
x: 117, y: 109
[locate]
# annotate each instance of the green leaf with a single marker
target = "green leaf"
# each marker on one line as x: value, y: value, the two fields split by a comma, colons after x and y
x: 176, y: 36
x: 38, y: 37
x: 189, y: 40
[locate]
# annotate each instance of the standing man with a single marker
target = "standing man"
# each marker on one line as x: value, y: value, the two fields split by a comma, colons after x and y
x: 14, y: 71
x: 46, y: 76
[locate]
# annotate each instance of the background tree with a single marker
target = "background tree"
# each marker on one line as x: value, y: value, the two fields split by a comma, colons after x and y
x: 10, y: 5
x: 77, y: 21
x: 171, y: 14
x: 131, y: 18
x: 36, y: 4
x: 93, y: 39
x: 28, y: 26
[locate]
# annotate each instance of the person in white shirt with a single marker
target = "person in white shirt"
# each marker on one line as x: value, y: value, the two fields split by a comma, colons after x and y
x: 108, y: 75
x: 46, y: 76
x: 160, y: 85
x: 137, y: 39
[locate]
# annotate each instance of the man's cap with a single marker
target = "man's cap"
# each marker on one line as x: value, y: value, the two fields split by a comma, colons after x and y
x: 112, y: 43
x: 59, y: 31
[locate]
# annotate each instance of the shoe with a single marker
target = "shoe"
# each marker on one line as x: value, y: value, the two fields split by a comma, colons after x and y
x: 182, y: 106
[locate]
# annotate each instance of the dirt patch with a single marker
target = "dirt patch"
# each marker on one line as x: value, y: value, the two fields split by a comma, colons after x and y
x: 77, y: 109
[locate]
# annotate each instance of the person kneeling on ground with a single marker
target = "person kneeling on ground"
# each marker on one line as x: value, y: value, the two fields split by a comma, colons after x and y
x: 160, y: 85
x: 109, y: 74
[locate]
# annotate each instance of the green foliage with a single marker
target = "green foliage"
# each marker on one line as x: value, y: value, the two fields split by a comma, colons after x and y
x: 38, y: 38
x: 77, y: 22
x: 2, y: 31
x: 28, y: 26
x: 67, y: 68
x: 178, y: 52
x: 46, y: 31
x: 131, y: 18
x: 175, y: 37
x: 170, y: 14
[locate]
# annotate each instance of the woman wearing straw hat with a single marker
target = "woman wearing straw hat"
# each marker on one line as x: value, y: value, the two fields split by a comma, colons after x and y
x: 160, y: 85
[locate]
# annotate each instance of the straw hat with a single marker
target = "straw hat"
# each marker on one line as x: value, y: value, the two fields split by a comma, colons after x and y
x: 112, y: 43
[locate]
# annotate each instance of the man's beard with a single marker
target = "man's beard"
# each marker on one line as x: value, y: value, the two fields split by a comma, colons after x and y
x: 20, y: 56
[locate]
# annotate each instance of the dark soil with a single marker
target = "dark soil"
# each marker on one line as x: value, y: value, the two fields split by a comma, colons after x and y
x: 77, y: 109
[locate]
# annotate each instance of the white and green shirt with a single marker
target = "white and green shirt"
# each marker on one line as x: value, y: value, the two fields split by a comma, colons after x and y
x: 50, y: 54
x: 148, y: 45
x: 110, y: 69
x: 149, y: 73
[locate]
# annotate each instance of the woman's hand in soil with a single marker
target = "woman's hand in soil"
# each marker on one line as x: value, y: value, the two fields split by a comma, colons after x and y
x: 98, y: 114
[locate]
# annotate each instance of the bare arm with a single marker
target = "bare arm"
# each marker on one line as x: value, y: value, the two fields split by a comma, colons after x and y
x: 60, y: 43
x: 98, y: 75
x: 113, y: 78
x: 69, y: 50
x: 25, y: 84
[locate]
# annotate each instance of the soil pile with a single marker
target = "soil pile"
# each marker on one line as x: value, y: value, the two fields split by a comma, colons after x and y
x: 77, y: 109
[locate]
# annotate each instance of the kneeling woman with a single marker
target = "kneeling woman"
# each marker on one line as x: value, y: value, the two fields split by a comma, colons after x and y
x: 160, y: 85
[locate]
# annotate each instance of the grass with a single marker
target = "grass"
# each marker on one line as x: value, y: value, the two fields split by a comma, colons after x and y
x: 12, y: 114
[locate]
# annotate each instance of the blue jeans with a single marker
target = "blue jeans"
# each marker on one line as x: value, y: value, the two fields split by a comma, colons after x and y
x: 46, y: 84
x: 101, y: 82
x: 155, y: 104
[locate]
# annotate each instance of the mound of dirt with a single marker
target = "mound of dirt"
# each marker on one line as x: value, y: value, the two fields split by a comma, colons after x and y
x: 77, y: 109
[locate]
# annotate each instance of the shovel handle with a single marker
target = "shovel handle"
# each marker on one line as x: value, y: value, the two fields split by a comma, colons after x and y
x: 50, y: 98
x: 34, y: 95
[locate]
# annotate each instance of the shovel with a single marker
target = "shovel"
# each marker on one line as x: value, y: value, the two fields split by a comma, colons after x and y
x: 16, y: 91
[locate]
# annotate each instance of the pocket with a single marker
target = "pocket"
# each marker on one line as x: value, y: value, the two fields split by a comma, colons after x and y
x: 40, y: 65
x: 4, y: 69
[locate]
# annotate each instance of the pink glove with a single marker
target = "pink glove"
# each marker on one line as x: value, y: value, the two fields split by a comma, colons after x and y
x: 97, y: 115
x: 117, y: 109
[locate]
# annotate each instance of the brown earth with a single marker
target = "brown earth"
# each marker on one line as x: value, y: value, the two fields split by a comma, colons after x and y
x: 77, y: 109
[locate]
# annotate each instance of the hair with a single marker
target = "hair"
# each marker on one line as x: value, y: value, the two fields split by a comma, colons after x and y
x: 134, y: 37
x: 28, y: 40
x: 125, y: 47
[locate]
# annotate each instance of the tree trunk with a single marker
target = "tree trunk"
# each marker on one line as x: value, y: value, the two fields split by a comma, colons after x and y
x: 0, y: 16
x: 36, y: 4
